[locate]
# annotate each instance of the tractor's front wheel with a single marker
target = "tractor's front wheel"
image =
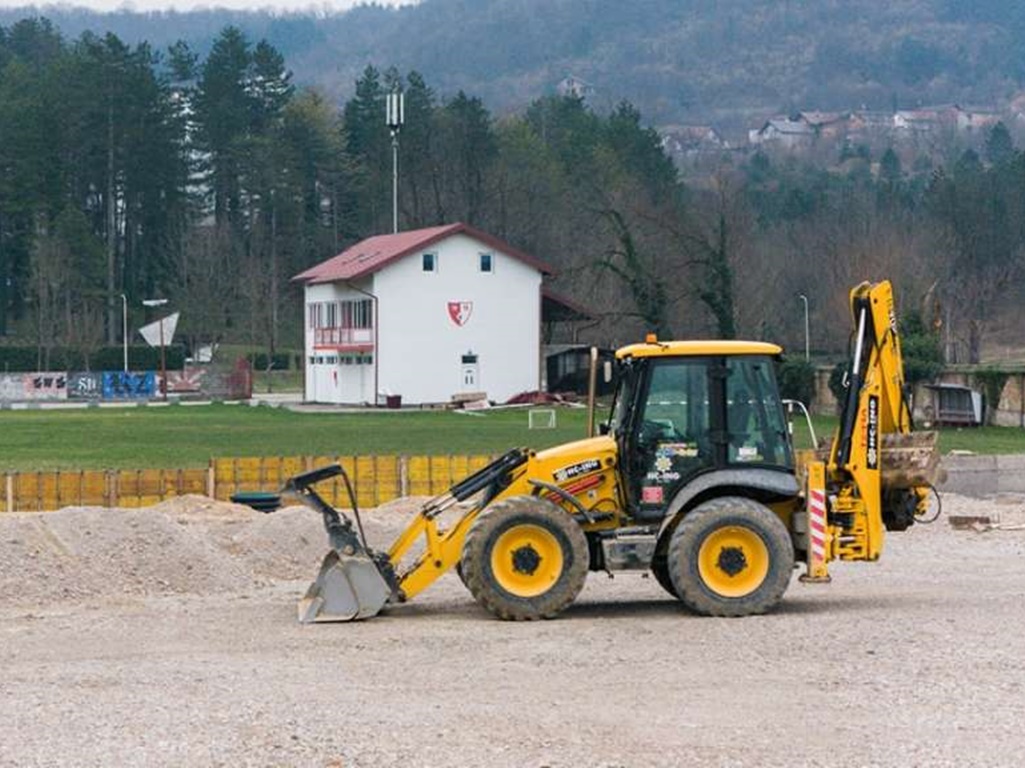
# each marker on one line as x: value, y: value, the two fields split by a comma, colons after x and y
x: 660, y: 570
x: 524, y: 558
x: 730, y: 557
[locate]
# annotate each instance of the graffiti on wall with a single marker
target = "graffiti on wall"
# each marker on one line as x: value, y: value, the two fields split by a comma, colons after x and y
x: 15, y: 387
x: 188, y: 380
x: 46, y: 386
x: 128, y: 385
x: 91, y: 386
x: 85, y: 386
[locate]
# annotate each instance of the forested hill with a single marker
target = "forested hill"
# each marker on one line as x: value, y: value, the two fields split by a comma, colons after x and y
x: 724, y: 61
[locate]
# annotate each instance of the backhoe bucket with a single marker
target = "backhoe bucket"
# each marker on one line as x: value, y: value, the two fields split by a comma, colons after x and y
x: 348, y: 588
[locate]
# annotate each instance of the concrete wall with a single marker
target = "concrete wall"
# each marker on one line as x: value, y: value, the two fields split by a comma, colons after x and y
x: 984, y: 475
x: 1010, y: 411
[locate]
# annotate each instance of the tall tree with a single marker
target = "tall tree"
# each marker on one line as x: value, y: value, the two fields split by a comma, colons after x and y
x: 468, y: 144
x: 367, y: 142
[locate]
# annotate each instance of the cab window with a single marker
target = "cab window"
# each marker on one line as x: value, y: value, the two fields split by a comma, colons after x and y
x: 754, y: 415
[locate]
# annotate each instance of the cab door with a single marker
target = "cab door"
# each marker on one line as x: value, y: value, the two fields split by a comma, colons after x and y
x: 671, y: 434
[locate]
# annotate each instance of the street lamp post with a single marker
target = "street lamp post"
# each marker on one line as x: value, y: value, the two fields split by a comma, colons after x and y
x: 124, y: 328
x: 163, y: 359
x: 807, y: 334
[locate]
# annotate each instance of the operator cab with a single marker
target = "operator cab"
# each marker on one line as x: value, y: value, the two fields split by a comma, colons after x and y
x: 683, y: 409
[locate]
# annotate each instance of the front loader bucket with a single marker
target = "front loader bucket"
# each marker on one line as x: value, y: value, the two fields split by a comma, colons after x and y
x: 348, y: 587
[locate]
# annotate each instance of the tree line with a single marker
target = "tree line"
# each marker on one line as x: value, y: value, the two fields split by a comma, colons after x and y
x: 681, y: 61
x: 128, y: 173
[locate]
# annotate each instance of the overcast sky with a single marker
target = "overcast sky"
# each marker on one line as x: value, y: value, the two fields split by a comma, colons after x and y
x: 185, y: 5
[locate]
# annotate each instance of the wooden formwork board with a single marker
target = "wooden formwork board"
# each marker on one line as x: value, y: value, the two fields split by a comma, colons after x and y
x: 376, y: 480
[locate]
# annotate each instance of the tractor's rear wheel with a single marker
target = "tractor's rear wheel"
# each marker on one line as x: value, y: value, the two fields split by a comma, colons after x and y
x: 730, y: 557
x: 525, y: 558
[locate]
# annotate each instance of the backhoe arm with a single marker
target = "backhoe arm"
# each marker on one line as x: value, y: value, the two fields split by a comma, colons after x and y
x: 877, y: 476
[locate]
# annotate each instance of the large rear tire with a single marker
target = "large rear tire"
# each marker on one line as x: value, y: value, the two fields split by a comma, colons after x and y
x: 731, y: 557
x: 525, y: 558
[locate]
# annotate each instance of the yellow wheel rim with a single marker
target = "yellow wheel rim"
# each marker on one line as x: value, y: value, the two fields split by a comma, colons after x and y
x: 733, y: 561
x: 526, y: 560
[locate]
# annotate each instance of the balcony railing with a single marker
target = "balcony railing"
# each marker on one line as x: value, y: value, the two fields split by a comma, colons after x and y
x: 344, y: 338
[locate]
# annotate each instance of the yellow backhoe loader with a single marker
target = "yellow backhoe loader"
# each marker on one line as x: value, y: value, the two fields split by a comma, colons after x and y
x: 693, y: 478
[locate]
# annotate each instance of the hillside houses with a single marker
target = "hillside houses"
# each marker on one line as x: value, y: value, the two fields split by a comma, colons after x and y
x: 786, y: 133
x: 806, y: 129
x: 691, y: 140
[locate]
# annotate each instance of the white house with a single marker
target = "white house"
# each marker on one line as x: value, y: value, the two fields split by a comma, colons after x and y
x: 423, y: 316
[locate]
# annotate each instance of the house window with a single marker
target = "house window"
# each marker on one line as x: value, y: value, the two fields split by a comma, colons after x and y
x: 430, y: 261
x: 358, y: 313
x: 485, y: 262
x: 316, y: 315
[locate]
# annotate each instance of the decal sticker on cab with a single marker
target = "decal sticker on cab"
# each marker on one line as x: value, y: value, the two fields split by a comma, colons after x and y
x: 576, y: 470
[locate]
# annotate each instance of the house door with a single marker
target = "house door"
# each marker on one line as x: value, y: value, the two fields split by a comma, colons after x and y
x: 470, y: 373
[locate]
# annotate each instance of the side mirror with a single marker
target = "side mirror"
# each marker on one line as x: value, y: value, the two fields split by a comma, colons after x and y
x: 604, y: 428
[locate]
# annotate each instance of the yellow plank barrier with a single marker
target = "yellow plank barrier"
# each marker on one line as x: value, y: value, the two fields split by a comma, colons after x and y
x: 376, y: 480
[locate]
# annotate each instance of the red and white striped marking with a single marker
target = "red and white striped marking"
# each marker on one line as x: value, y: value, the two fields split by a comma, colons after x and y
x: 817, y: 525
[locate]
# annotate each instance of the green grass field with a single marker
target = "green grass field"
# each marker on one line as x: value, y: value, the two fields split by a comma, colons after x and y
x: 183, y: 436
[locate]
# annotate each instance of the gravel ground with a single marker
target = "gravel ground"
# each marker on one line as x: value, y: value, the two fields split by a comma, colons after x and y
x: 168, y: 637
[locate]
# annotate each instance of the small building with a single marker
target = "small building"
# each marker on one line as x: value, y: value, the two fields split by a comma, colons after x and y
x: 691, y: 140
x: 568, y: 369
x: 976, y: 119
x: 830, y: 126
x: 955, y: 404
x: 866, y: 126
x: 926, y: 119
x: 423, y: 316
x: 575, y: 87
x: 785, y: 133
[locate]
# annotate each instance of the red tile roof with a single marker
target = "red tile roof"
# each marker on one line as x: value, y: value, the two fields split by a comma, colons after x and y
x: 373, y: 254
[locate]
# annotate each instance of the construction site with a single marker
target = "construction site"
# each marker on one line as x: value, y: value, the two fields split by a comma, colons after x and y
x: 625, y: 599
x: 167, y: 636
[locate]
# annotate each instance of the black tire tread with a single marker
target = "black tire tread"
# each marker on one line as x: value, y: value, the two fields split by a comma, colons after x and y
x: 476, y: 558
x: 660, y: 570
x: 707, y: 517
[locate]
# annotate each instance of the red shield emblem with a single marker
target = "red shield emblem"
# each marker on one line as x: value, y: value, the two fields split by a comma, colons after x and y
x: 460, y: 311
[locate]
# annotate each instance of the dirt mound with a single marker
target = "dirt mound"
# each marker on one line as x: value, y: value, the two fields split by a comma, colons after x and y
x: 190, y: 544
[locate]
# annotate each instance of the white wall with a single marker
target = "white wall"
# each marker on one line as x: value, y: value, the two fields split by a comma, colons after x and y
x: 421, y: 347
x: 328, y: 380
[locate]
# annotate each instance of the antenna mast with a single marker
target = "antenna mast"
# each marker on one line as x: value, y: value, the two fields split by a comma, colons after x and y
x: 394, y: 117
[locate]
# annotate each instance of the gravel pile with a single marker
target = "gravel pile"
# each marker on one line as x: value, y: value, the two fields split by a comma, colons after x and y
x: 194, y: 545
x: 188, y: 545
